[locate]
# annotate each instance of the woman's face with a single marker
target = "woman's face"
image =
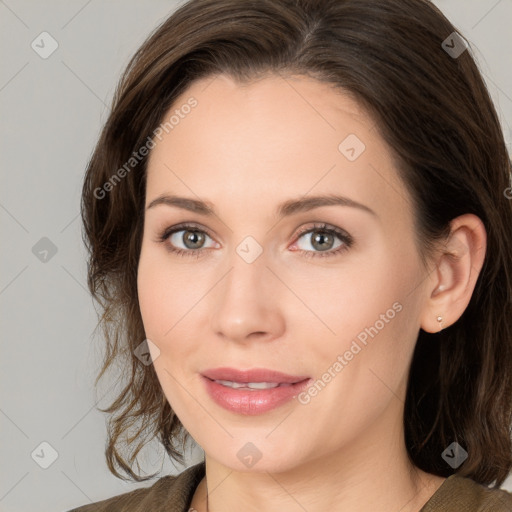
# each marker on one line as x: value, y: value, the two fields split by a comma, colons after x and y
x: 262, y: 286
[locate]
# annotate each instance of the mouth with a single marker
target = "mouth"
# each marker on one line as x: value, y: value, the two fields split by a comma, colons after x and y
x: 251, y: 392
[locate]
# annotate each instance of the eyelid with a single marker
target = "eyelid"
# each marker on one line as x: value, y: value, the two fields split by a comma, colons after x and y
x: 327, y: 227
x: 183, y: 226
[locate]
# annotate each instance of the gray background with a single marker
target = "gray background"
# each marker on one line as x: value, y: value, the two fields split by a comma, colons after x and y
x: 52, y: 112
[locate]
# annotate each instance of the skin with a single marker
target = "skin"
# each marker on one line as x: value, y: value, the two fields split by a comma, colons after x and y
x: 246, y: 149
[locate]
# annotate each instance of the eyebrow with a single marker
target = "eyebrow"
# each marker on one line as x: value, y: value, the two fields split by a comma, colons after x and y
x: 290, y: 207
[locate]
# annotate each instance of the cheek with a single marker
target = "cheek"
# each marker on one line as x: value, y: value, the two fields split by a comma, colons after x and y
x: 161, y: 307
x: 159, y: 281
x: 353, y: 298
x: 169, y: 301
x: 372, y: 310
x: 156, y: 292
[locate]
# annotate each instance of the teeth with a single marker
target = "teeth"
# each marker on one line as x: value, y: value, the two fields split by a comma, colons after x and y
x: 250, y: 385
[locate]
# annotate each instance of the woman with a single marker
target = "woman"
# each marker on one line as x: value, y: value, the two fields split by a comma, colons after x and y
x: 299, y: 230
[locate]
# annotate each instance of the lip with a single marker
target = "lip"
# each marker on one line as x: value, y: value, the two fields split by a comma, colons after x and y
x: 251, y: 402
x: 254, y: 375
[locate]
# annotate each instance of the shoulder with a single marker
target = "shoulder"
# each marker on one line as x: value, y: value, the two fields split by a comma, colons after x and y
x: 460, y: 494
x: 169, y: 493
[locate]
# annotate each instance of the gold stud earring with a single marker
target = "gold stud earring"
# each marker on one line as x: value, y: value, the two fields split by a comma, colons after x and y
x: 440, y: 320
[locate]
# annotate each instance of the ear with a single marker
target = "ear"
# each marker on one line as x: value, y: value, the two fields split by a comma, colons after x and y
x: 456, y: 269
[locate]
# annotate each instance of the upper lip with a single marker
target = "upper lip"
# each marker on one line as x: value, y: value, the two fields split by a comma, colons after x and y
x: 254, y: 375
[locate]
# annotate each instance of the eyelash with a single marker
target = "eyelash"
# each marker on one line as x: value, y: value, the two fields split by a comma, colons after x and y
x: 326, y: 228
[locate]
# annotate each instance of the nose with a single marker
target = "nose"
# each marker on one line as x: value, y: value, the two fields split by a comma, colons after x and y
x: 247, y: 303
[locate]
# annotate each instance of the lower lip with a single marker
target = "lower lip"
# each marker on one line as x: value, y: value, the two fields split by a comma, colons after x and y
x: 252, y: 402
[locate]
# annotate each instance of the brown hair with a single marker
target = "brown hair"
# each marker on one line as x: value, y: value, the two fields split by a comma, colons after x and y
x: 436, y: 115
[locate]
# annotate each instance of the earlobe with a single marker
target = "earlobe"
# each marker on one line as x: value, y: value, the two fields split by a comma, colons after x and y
x: 453, y: 279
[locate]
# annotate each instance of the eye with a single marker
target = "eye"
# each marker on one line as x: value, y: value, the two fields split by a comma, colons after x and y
x: 323, y: 239
x: 193, y: 238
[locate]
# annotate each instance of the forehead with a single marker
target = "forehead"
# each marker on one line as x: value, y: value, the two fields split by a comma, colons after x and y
x: 269, y: 140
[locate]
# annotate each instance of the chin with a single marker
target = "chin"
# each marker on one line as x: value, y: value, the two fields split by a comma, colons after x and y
x: 249, y: 457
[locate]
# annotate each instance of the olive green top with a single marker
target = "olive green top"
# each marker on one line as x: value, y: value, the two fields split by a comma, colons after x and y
x: 174, y: 494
